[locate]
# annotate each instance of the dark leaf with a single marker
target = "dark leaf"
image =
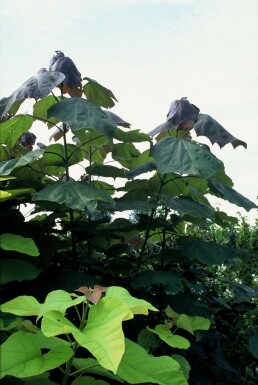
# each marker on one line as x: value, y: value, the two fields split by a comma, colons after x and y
x: 209, y: 127
x: 36, y: 87
x: 106, y: 171
x: 117, y: 120
x: 98, y: 94
x: 170, y: 280
x: 187, y: 206
x: 80, y: 113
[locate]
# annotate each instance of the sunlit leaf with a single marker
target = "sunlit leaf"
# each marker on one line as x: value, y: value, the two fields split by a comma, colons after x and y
x: 12, y: 129
x: 175, y: 341
x: 19, y: 244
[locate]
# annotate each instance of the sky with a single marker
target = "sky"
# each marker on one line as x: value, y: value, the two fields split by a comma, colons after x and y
x: 149, y: 53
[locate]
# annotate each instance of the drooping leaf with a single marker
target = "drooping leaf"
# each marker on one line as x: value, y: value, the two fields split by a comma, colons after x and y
x: 17, y: 270
x: 137, y: 306
x: 175, y: 341
x: 124, y: 153
x: 232, y: 195
x: 185, y: 157
x: 6, y: 167
x: 143, y: 168
x: 19, y: 244
x: 187, y: 206
x: 209, y: 127
x: 41, y: 379
x: 184, y: 364
x: 20, y: 362
x: 19, y: 192
x: 106, y: 171
x: 80, y: 113
x: 131, y: 136
x: 36, y: 87
x: 137, y: 367
x: 98, y: 94
x: 11, y: 130
x: 103, y: 335
x: 191, y: 324
x: 76, y: 195
x: 210, y: 253
x: 170, y: 280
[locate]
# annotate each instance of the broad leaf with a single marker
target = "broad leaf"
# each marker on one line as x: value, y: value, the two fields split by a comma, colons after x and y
x: 19, y: 244
x: 82, y: 380
x: 6, y: 167
x: 36, y: 87
x: 58, y: 300
x: 10, y: 194
x: 137, y: 367
x: 17, y: 270
x: 143, y: 168
x: 103, y: 335
x: 54, y: 155
x: 170, y: 280
x: 185, y: 157
x: 80, y: 113
x: 106, y: 171
x: 253, y: 345
x: 191, y: 324
x: 98, y: 94
x: 40, y: 109
x: 210, y: 253
x: 23, y: 362
x: 131, y: 136
x: 175, y: 341
x: 76, y: 195
x: 209, y: 127
x: 11, y: 130
x: 125, y: 153
x: 232, y: 195
x: 137, y: 306
x: 186, y: 206
x: 23, y: 305
x: 90, y: 365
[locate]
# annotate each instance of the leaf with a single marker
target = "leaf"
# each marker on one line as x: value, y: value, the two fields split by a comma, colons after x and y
x: 184, y: 364
x: 116, y: 119
x: 103, y: 335
x: 232, y: 195
x: 54, y: 155
x: 19, y: 244
x: 40, y: 109
x: 137, y: 367
x: 253, y: 345
x: 41, y: 379
x: 125, y: 153
x: 89, y: 381
x: 6, y: 167
x: 10, y: 194
x: 11, y: 130
x: 137, y: 306
x: 185, y: 157
x: 80, y: 113
x: 131, y: 136
x: 106, y: 171
x: 20, y: 362
x: 98, y: 94
x: 187, y: 206
x: 172, y: 340
x: 92, y: 294
x: 36, y: 87
x: 90, y: 365
x: 170, y: 280
x: 209, y: 127
x: 17, y: 270
x: 76, y: 195
x: 55, y: 323
x: 143, y: 168
x: 23, y: 305
x: 191, y: 324
x: 210, y: 253
x: 58, y: 300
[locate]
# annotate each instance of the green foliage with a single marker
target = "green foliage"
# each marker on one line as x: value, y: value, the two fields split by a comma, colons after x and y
x: 190, y: 269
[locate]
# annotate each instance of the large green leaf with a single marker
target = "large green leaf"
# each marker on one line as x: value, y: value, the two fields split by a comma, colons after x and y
x: 80, y: 113
x: 232, y: 195
x: 10, y: 194
x: 209, y: 127
x: 106, y: 171
x: 170, y: 185
x: 19, y: 244
x: 137, y: 306
x: 94, y: 145
x: 98, y: 94
x: 103, y: 335
x: 170, y: 280
x: 187, y: 206
x: 40, y: 109
x: 185, y: 157
x: 36, y: 87
x: 137, y: 367
x: 131, y: 136
x: 23, y: 305
x: 22, y: 356
x: 210, y: 253
x: 192, y: 323
x: 12, y: 129
x: 143, y: 168
x: 58, y: 300
x: 6, y: 167
x: 55, y: 155
x: 17, y: 270
x: 76, y: 195
x: 175, y: 341
x: 124, y: 153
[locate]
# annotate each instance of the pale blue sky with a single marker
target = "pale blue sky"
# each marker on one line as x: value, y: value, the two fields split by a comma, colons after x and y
x: 150, y: 52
